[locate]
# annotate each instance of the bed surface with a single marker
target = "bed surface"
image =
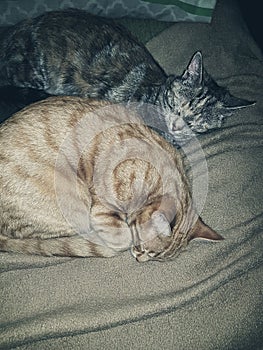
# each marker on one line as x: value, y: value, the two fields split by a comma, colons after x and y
x: 210, y: 297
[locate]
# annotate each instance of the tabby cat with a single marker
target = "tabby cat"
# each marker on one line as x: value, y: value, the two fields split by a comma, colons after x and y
x: 84, y: 178
x: 71, y: 52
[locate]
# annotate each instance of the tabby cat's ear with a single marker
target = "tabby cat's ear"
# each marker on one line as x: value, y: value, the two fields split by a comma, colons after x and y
x: 201, y: 230
x: 232, y: 102
x: 193, y: 75
x: 161, y: 224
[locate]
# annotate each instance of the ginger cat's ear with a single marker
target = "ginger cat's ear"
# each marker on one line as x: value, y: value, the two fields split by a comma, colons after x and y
x: 201, y: 230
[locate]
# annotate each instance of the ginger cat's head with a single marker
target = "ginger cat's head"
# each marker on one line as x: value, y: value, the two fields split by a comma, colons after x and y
x: 150, y: 187
x: 167, y: 241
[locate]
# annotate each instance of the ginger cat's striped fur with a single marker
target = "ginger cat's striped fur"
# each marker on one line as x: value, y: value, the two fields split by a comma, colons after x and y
x: 84, y: 178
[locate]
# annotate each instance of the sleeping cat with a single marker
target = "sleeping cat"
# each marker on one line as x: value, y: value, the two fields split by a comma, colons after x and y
x: 71, y: 52
x: 84, y: 178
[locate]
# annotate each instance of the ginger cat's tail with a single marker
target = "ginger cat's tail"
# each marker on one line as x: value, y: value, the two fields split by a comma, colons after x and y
x: 74, y: 246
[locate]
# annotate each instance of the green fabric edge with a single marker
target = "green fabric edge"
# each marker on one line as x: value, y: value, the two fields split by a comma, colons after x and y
x: 195, y: 10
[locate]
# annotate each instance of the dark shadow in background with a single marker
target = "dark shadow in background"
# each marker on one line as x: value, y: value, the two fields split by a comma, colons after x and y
x: 252, y: 11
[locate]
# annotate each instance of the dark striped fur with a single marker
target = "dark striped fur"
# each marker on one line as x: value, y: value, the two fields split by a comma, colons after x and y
x: 71, y: 52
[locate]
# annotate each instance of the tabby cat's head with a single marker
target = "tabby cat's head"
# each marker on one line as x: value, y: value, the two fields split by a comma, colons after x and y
x: 194, y: 103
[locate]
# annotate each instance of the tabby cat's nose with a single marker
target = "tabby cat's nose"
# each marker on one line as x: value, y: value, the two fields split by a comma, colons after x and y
x: 178, y: 125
